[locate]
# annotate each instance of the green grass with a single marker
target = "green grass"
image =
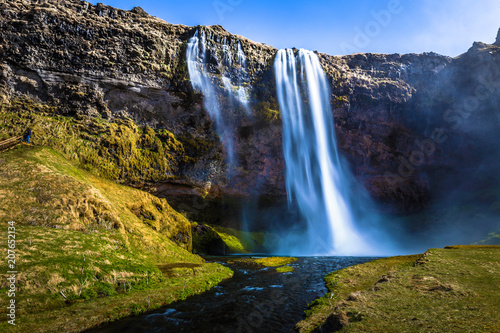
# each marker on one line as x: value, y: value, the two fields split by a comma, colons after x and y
x: 284, y: 269
x: 443, y: 290
x: 281, y: 263
x: 85, y: 251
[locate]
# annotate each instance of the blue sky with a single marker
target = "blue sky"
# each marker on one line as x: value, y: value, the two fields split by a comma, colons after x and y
x: 340, y: 26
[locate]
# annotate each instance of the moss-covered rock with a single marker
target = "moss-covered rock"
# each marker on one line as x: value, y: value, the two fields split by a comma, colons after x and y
x: 119, y: 150
x: 218, y: 240
x: 207, y: 241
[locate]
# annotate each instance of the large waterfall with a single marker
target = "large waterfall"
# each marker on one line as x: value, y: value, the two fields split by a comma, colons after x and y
x: 317, y: 183
x: 315, y: 179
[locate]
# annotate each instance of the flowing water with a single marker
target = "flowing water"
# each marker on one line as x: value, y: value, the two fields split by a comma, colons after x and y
x: 219, y: 74
x: 316, y: 180
x: 256, y: 300
x: 196, y: 58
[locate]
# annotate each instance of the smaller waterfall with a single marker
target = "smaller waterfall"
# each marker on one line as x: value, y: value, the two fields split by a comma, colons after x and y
x: 242, y: 59
x: 315, y: 179
x: 242, y: 92
x: 234, y: 76
x: 204, y: 78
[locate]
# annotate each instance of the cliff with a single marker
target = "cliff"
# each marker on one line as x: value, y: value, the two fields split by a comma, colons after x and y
x: 97, y: 62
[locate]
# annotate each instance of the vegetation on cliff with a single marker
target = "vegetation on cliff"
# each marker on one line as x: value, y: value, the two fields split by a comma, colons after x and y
x: 119, y: 150
x: 88, y: 250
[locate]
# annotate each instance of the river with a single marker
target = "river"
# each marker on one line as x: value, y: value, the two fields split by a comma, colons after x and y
x: 256, y: 299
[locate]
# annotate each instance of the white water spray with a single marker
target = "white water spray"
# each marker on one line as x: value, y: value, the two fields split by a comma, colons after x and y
x: 315, y: 179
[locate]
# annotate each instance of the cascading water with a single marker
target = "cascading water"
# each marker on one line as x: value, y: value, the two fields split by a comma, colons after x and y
x: 203, y: 79
x: 315, y: 179
x: 242, y: 93
x: 196, y: 57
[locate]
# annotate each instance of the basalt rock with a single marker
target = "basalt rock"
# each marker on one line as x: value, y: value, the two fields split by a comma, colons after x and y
x: 390, y: 110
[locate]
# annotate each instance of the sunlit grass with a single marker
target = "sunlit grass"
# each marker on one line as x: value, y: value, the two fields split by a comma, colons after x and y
x: 85, y: 252
x: 444, y: 290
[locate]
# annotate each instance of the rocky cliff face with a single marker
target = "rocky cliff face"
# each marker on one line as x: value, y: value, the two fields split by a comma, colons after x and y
x: 98, y: 61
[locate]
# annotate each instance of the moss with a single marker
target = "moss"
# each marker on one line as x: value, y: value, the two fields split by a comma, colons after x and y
x: 340, y: 101
x: 268, y: 111
x: 117, y: 150
x: 274, y: 261
x: 241, y: 241
x: 281, y: 263
x: 208, y: 241
x: 195, y: 147
x: 218, y: 240
x: 284, y: 269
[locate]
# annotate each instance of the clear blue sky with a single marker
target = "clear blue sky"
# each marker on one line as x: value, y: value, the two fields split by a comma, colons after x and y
x: 340, y: 26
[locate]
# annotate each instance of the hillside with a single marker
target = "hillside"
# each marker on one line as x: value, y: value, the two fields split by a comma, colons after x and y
x: 89, y: 250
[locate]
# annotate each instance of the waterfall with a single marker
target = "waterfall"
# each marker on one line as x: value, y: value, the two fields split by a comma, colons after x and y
x: 242, y: 92
x: 204, y: 79
x: 315, y: 180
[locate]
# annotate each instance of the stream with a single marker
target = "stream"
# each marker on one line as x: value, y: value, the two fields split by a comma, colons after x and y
x: 256, y: 299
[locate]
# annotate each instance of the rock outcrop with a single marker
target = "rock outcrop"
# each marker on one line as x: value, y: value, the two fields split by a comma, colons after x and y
x: 98, y: 61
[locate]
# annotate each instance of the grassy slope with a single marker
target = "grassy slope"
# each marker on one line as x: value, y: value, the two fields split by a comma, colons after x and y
x: 80, y: 235
x: 444, y: 290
